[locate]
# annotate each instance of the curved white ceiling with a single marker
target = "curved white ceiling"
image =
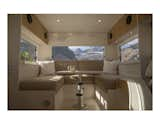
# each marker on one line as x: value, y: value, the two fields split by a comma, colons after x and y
x: 73, y: 23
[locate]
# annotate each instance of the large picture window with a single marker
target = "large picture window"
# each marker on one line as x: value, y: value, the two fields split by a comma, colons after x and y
x: 77, y: 52
x: 28, y: 51
x: 130, y: 51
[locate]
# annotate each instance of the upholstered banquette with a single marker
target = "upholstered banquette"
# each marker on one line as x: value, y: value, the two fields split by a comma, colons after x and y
x: 39, y: 86
x: 33, y: 76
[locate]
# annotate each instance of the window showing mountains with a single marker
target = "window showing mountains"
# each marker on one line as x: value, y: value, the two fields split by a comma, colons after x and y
x: 130, y: 51
x: 77, y: 53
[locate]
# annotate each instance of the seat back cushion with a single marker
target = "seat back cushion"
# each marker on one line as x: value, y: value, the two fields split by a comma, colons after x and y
x: 110, y: 67
x: 47, y: 68
x: 130, y: 69
x: 28, y: 71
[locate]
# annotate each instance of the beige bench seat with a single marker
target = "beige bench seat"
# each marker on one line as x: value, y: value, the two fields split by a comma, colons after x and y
x: 106, y: 81
x: 43, y: 83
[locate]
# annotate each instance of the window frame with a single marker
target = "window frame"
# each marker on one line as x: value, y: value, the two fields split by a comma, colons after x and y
x: 125, y: 42
x: 36, y: 48
x: 53, y: 55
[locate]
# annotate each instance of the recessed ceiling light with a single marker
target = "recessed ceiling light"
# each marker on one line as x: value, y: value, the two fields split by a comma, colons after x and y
x: 58, y: 20
x: 99, y: 20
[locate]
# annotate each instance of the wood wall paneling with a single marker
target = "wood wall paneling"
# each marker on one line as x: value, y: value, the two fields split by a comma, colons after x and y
x: 35, y: 27
x: 121, y: 28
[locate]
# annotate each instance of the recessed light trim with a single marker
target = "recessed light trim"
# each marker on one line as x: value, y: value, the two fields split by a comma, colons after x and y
x: 99, y: 20
x: 58, y: 20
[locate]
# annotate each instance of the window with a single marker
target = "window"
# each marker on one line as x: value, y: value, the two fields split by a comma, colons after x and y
x: 77, y: 53
x: 130, y: 51
x: 27, y: 51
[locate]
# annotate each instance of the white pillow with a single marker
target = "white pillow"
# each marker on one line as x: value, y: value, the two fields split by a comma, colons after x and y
x: 47, y: 68
x: 110, y: 67
x: 148, y: 72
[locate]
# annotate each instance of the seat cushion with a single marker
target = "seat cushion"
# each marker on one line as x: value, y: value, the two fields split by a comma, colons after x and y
x: 42, y: 83
x: 47, y: 68
x: 130, y: 69
x: 106, y: 81
x: 107, y: 76
x: 118, y: 99
x: 110, y: 67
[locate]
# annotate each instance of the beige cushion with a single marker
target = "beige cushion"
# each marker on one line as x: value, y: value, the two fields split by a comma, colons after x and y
x: 110, y: 67
x: 104, y: 83
x: 42, y: 83
x: 131, y: 69
x: 117, y: 99
x: 148, y: 72
x: 54, y: 78
x: 27, y: 71
x: 47, y: 68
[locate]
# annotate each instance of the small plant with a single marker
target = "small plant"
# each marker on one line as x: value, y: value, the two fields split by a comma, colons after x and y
x: 25, y: 56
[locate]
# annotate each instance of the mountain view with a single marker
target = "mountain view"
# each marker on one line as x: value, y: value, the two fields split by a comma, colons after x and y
x: 130, y: 51
x: 78, y: 53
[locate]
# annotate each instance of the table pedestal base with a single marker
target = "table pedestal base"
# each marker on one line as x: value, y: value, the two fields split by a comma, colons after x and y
x: 82, y: 107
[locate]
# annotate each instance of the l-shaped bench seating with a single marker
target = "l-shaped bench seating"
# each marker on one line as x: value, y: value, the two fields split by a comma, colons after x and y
x: 41, y: 88
x: 36, y: 77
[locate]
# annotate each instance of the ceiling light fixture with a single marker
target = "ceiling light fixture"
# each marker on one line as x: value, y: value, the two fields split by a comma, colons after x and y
x: 99, y: 20
x: 58, y: 20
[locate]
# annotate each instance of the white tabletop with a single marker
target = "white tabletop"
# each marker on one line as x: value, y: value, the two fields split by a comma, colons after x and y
x: 79, y: 72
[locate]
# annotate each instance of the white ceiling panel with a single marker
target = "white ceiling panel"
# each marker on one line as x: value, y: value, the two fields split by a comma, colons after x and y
x: 73, y: 23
